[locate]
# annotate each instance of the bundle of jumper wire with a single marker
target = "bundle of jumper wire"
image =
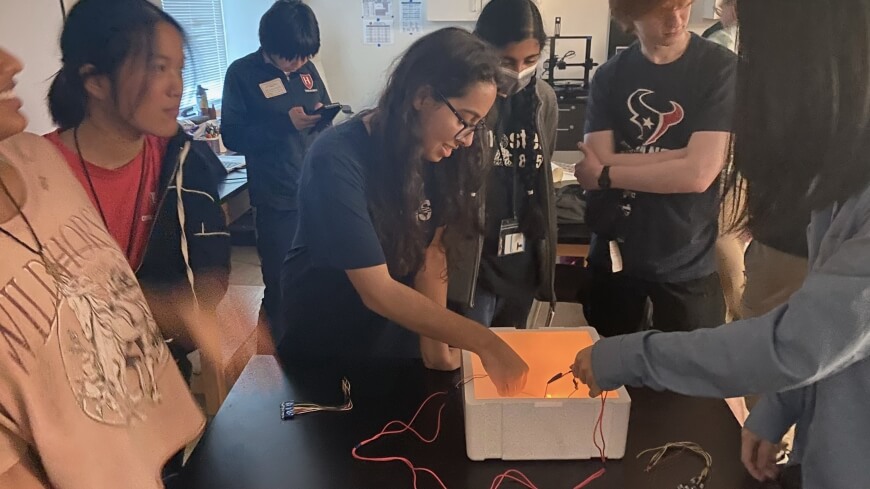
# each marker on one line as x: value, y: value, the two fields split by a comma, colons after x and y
x: 397, y: 427
x: 291, y: 409
x: 659, y: 453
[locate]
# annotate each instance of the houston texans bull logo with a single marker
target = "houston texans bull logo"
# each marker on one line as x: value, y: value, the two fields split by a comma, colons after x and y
x: 651, y: 121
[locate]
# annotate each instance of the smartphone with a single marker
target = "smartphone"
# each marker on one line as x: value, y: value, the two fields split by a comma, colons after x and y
x: 327, y: 113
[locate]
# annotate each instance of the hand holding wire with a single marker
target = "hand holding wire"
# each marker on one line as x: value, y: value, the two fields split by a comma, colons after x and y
x: 759, y: 456
x: 505, y: 368
x: 582, y: 370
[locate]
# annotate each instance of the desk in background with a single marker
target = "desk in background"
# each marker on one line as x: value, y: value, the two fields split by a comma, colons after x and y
x: 233, y: 194
x: 247, y: 446
x: 572, y: 239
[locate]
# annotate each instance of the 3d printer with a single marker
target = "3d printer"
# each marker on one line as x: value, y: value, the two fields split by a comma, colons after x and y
x: 572, y: 93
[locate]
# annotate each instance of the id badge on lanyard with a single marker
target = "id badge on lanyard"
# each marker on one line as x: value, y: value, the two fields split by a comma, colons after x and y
x: 510, y: 240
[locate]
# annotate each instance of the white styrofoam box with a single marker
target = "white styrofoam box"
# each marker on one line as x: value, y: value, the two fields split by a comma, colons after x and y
x: 533, y: 426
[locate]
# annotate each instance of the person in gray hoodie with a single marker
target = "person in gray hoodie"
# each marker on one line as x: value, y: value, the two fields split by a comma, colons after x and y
x: 513, y: 262
x: 802, y: 147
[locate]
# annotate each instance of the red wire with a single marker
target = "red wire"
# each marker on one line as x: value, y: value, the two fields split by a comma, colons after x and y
x: 510, y: 475
x: 519, y: 478
x: 406, y: 427
x: 599, y: 426
x: 591, y: 478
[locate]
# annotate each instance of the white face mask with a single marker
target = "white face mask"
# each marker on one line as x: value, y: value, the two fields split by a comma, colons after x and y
x: 511, y: 82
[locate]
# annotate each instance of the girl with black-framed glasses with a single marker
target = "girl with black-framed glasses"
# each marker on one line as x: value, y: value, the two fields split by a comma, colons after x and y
x: 384, y: 200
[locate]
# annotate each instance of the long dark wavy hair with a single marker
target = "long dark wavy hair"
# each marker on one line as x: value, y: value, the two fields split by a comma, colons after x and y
x: 448, y: 61
x: 804, y: 145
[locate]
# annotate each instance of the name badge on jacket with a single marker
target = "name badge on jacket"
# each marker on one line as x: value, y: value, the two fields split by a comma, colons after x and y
x: 274, y: 88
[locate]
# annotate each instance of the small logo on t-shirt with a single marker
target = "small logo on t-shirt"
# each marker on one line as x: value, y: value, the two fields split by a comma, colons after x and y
x: 307, y: 81
x: 653, y: 123
x: 424, y: 213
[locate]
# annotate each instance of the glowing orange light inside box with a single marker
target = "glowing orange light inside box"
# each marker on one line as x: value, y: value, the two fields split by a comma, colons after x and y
x: 547, y: 353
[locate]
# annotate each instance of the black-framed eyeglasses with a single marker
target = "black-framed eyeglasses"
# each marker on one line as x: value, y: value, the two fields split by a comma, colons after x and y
x: 467, y: 128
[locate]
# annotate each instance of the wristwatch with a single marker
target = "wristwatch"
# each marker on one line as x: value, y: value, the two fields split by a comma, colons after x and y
x: 604, y: 178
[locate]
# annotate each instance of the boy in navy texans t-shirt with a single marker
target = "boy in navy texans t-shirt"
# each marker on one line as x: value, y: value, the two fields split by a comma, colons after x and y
x: 657, y: 133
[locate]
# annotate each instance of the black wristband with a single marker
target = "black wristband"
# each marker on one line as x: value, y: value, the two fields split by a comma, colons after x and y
x: 604, y: 178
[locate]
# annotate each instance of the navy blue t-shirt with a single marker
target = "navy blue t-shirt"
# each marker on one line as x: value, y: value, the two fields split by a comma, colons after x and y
x: 651, y: 108
x: 326, y: 317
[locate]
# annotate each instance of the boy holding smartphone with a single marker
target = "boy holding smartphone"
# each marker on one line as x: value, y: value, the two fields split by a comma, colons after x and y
x: 268, y: 99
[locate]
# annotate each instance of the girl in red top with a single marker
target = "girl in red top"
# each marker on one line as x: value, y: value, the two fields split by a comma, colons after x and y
x: 115, y: 100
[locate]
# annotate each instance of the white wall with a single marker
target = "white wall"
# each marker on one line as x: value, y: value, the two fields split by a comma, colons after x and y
x: 579, y: 18
x: 698, y: 23
x: 355, y: 73
x: 30, y: 29
x: 241, y: 25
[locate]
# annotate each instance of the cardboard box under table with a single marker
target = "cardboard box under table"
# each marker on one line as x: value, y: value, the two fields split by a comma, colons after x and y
x: 544, y: 422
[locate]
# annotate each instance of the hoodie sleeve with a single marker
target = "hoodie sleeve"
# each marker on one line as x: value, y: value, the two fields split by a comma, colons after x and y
x: 243, y: 130
x: 822, y: 330
x: 209, y: 246
x: 775, y: 413
x: 551, y: 119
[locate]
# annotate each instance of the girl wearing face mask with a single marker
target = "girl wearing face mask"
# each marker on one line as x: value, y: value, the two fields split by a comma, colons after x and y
x: 383, y: 201
x: 518, y: 250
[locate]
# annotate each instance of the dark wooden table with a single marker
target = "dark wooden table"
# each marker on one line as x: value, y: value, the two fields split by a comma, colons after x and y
x: 247, y: 446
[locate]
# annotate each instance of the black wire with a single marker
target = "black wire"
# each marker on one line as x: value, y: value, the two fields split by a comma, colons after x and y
x: 555, y: 378
x: 62, y: 10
